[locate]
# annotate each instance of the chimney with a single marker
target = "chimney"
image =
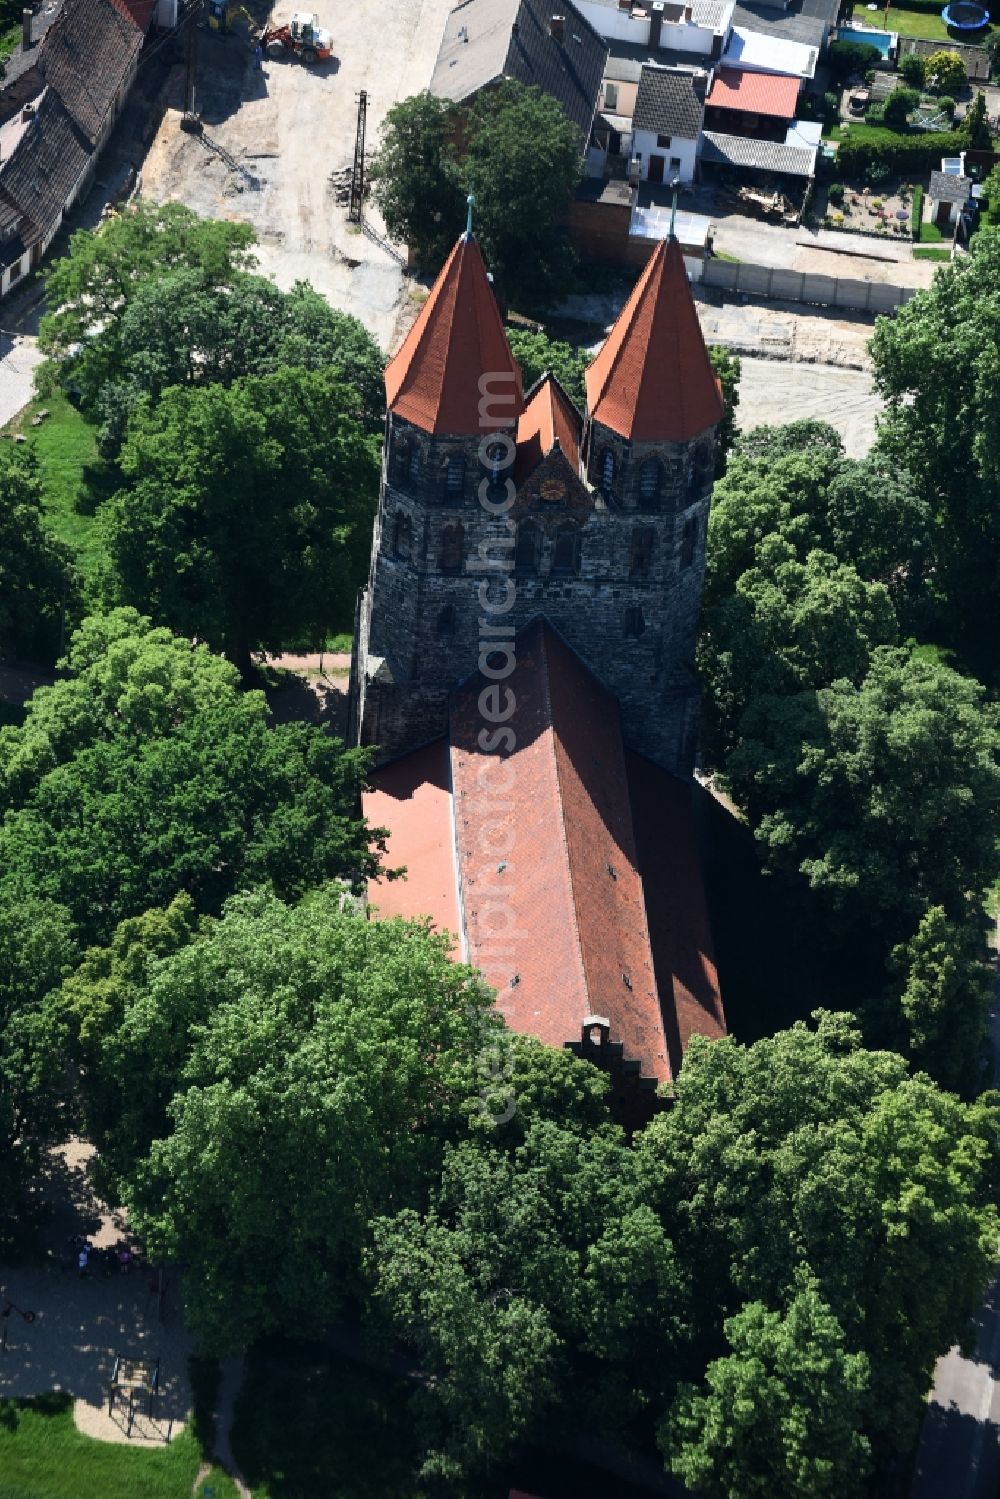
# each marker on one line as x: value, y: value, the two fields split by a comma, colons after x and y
x: 699, y: 83
x: 687, y: 15
x: 26, y: 16
x: 655, y: 24
x: 557, y: 27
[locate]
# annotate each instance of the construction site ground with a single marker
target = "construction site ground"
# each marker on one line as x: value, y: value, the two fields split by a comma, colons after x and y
x: 291, y: 128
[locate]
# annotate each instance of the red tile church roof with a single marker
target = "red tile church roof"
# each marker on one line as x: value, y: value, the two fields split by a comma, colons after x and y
x: 652, y: 380
x: 579, y: 885
x: 548, y: 418
x: 458, y: 338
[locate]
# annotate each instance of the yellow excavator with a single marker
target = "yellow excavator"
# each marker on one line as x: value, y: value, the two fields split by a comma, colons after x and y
x: 221, y: 16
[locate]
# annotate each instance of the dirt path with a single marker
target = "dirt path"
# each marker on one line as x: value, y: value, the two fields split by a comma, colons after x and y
x: 229, y: 1388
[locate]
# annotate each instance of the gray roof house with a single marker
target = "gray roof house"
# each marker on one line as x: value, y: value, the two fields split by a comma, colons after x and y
x: 538, y: 42
x: 668, y: 103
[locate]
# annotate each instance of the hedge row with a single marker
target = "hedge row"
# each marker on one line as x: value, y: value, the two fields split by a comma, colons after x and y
x: 917, y: 211
x: 900, y: 153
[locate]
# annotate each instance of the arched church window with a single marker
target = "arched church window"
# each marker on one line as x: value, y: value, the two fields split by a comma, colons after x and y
x: 452, y: 547
x: 633, y: 622
x: 566, y: 556
x: 454, y: 475
x: 528, y: 547
x: 446, y: 620
x: 606, y: 472
x: 650, y: 481
x: 497, y: 455
x: 402, y: 543
x: 689, y: 541
x: 641, y: 556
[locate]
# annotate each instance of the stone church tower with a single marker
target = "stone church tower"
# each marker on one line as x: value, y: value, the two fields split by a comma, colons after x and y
x: 497, y: 506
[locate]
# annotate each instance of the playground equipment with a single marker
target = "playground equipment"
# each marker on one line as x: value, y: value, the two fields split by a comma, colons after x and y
x: 965, y: 15
x: 132, y: 1380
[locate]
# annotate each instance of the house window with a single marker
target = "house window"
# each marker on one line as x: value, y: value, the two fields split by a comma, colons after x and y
x: 452, y: 547
x: 633, y: 622
x: 611, y: 96
x: 641, y: 556
x: 675, y: 163
x: 663, y: 141
x: 402, y: 543
x: 650, y: 481
x: 528, y: 547
x: 689, y: 540
x: 15, y: 273
x: 566, y: 557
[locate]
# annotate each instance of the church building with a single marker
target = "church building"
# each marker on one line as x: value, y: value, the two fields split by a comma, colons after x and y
x: 524, y: 661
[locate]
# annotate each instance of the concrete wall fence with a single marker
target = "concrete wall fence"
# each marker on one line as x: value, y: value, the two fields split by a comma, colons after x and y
x: 801, y: 286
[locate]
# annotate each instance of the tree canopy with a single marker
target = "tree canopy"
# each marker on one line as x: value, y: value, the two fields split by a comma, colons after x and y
x: 147, y: 772
x: 246, y: 520
x: 39, y: 588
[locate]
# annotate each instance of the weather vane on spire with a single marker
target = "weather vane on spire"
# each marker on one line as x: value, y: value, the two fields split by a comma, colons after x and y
x: 471, y: 200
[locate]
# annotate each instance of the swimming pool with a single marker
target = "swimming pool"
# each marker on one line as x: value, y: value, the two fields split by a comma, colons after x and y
x: 883, y: 40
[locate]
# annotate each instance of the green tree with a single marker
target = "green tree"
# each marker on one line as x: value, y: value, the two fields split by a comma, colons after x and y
x: 414, y: 180
x: 884, y: 795
x: 912, y: 70
x: 523, y: 160
x: 804, y: 1154
x: 149, y: 772
x: 899, y: 106
x: 939, y: 1003
x: 936, y: 364
x: 944, y: 72
x: 789, y: 626
x: 179, y: 329
x: 246, y: 521
x: 780, y: 1412
x: 538, y: 355
x: 977, y: 124
x: 535, y: 1279
x: 91, y: 286
x: 302, y: 1068
x: 728, y: 370
x: 39, y: 590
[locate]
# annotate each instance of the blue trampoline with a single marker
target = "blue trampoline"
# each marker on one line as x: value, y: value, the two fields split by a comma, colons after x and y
x: 965, y: 15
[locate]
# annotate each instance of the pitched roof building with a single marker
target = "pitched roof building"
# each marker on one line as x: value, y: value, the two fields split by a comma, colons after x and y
x: 489, y: 40
x: 667, y: 103
x: 523, y: 657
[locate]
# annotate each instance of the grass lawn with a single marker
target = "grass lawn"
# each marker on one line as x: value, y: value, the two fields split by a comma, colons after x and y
x: 43, y: 1456
x: 65, y: 443
x: 932, y: 254
x: 912, y: 23
x: 930, y: 234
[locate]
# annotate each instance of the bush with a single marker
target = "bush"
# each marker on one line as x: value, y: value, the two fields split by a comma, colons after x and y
x: 851, y: 57
x: 916, y: 211
x: 899, y: 106
x: 945, y: 71
x: 835, y: 194
x: 947, y: 103
x: 912, y: 68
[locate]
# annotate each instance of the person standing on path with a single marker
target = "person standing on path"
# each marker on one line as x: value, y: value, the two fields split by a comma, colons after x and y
x: 81, y: 1260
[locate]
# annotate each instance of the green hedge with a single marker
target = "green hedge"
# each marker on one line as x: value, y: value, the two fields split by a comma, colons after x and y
x: 900, y: 153
x: 916, y: 211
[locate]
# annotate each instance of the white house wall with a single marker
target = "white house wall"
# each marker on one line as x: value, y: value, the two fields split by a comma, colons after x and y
x: 618, y: 26
x: 644, y: 145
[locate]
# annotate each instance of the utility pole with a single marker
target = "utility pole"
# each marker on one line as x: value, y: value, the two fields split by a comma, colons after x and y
x: 356, y: 206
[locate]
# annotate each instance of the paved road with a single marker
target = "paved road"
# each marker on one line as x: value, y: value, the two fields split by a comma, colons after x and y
x: 959, y: 1456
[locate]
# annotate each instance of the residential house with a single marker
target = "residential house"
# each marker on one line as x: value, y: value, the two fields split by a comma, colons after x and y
x: 554, y: 48
x: 667, y: 123
x: 950, y: 196
x: 81, y: 74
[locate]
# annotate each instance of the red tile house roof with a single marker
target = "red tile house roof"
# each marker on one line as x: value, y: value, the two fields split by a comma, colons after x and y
x: 652, y: 380
x: 87, y: 58
x: 579, y: 886
x: 433, y: 381
x: 140, y: 12
x: 754, y: 93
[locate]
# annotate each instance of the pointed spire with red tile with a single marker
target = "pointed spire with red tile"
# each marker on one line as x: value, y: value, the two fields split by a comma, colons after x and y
x: 653, y: 380
x: 457, y: 340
